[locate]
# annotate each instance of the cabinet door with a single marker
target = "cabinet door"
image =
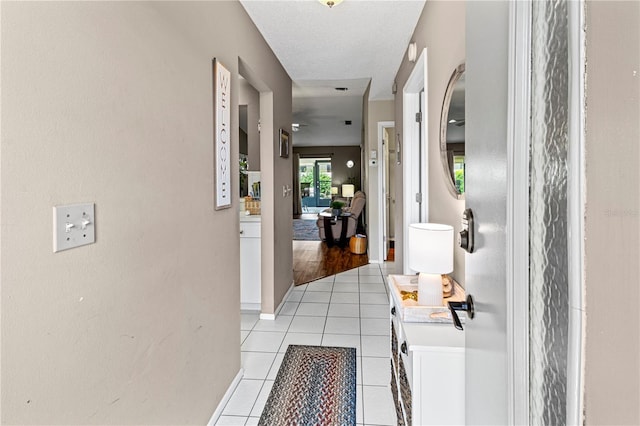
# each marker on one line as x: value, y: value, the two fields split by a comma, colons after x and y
x: 250, y: 266
x: 438, y: 385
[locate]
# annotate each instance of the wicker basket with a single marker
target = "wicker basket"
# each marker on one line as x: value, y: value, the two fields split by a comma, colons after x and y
x: 253, y: 206
x: 358, y: 244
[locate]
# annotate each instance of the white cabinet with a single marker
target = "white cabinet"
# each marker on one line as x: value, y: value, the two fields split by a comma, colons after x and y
x: 427, y: 369
x: 250, y: 264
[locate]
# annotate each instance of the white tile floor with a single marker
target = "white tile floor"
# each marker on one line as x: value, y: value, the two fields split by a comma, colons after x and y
x: 349, y: 309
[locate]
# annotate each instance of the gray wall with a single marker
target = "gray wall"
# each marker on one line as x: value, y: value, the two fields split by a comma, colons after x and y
x: 612, y: 232
x: 112, y: 103
x: 441, y: 29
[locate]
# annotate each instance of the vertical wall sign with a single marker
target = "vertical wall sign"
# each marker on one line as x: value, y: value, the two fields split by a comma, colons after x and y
x: 222, y: 135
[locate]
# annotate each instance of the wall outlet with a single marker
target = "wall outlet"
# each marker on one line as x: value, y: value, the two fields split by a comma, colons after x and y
x: 73, y: 226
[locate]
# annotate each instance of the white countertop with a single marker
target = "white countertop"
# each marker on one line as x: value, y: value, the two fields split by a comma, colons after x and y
x: 250, y: 218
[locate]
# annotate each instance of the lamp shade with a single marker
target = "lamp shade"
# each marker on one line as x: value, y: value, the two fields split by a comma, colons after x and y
x: 347, y: 190
x: 431, y: 248
x: 334, y: 190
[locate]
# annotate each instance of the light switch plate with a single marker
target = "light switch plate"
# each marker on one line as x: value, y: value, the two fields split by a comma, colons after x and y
x: 73, y: 226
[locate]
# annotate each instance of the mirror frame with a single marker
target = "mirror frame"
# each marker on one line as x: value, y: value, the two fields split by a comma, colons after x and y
x: 444, y: 119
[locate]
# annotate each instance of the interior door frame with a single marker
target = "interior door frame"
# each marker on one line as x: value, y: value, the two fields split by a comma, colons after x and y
x: 382, y: 188
x: 576, y: 204
x: 518, y: 211
x: 412, y: 156
x: 517, y: 273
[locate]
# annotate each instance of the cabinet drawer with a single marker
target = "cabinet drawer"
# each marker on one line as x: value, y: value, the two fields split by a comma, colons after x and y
x: 249, y: 230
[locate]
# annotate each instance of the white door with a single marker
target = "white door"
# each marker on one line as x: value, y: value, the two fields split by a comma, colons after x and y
x: 389, y: 198
x: 486, y: 194
x: 523, y: 107
x: 385, y: 227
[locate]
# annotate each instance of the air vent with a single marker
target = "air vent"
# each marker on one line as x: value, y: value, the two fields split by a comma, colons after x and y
x: 342, y: 89
x: 347, y: 123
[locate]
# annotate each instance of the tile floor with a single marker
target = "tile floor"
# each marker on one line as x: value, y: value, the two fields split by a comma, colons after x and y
x: 347, y: 309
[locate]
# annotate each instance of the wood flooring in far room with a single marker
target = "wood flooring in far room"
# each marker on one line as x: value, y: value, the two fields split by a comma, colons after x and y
x: 313, y: 260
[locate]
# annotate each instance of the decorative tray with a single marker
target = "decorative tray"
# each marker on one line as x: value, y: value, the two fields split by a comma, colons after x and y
x: 402, y: 286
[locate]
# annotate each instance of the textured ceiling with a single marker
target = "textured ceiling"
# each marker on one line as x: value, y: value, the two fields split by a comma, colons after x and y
x: 349, y: 45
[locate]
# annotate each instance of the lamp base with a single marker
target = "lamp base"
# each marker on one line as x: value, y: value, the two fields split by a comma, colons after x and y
x: 429, y: 289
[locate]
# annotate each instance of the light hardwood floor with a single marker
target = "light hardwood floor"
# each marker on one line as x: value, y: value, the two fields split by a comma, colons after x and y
x: 313, y: 260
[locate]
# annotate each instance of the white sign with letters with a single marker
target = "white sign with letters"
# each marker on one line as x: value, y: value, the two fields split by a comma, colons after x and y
x: 222, y: 135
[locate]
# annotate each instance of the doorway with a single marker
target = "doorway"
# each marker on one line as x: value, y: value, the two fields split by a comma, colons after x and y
x: 386, y: 183
x: 315, y: 184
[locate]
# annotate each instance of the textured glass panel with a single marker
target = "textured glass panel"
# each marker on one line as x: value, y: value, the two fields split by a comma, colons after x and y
x: 548, y: 214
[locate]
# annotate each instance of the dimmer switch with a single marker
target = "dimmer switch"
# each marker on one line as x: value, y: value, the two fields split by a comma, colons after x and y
x: 73, y: 226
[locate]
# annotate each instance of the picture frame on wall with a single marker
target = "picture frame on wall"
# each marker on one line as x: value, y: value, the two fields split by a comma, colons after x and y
x: 284, y: 144
x: 222, y: 135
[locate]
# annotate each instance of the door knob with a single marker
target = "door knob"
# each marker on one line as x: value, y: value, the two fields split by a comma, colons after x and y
x: 466, y: 306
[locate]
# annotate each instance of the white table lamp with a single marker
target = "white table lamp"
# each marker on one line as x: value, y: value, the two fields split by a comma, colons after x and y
x: 431, y: 254
x: 347, y: 191
x: 334, y: 190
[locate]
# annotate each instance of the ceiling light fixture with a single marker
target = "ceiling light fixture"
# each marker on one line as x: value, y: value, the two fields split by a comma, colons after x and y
x: 330, y: 3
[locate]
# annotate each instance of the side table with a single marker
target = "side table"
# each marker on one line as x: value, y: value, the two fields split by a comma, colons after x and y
x: 328, y: 232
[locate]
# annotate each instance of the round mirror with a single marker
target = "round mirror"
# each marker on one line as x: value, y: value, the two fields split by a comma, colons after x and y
x: 452, y: 121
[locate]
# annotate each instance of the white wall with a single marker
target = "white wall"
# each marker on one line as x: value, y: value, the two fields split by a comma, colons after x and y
x: 111, y: 103
x: 441, y: 29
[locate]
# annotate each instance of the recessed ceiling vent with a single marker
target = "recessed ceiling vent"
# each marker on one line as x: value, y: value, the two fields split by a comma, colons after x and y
x: 347, y: 123
x: 342, y: 89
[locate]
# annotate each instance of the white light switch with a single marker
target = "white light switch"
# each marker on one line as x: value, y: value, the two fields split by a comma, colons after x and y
x: 73, y: 226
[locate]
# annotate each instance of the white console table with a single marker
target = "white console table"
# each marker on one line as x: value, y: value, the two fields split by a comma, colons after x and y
x: 427, y: 366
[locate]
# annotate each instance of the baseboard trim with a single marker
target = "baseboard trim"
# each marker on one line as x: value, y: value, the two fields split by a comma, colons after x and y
x: 272, y: 317
x: 232, y: 387
x: 250, y: 306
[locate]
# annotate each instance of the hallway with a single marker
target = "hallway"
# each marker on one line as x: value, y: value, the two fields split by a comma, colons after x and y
x: 313, y: 260
x: 348, y: 309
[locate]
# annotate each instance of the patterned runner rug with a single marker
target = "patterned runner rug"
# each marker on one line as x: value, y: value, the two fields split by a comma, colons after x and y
x: 316, y: 385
